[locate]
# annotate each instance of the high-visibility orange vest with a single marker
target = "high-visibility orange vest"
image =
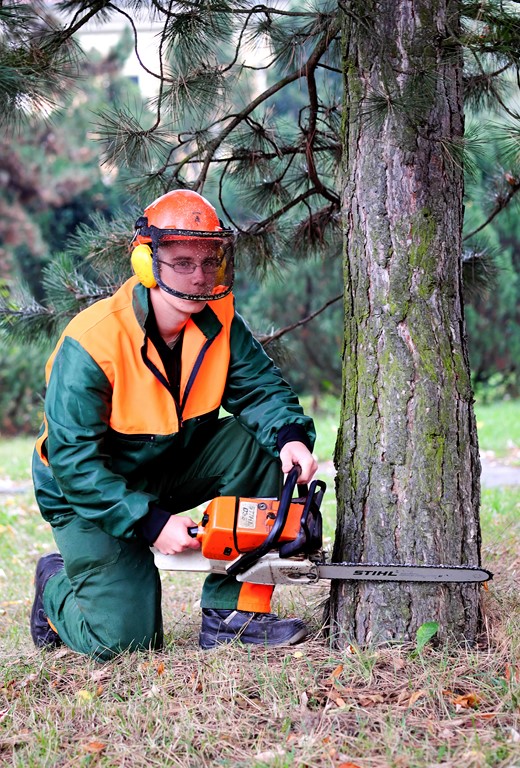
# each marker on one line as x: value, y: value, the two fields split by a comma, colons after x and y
x: 110, y: 333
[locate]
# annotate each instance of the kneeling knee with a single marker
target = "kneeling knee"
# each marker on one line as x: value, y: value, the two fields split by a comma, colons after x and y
x: 124, y: 640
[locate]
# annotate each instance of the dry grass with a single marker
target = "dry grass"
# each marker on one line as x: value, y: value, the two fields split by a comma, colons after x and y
x: 308, y: 707
x: 305, y: 706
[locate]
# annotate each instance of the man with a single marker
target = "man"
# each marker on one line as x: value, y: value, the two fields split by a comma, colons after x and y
x: 131, y: 438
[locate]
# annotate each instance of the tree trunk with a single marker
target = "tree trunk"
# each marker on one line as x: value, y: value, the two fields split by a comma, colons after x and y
x: 407, y: 461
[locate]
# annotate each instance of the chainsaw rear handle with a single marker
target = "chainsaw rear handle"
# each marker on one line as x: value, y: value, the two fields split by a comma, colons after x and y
x: 244, y: 562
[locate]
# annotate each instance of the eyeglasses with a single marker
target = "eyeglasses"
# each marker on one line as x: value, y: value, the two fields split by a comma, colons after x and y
x: 187, y: 267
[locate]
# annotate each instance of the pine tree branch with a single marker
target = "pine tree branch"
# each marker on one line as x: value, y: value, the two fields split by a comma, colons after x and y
x: 494, y: 90
x: 161, y: 76
x: 315, y: 56
x: 66, y: 34
x: 143, y: 66
x: 311, y: 135
x: 268, y: 338
x: 501, y: 203
x: 268, y: 10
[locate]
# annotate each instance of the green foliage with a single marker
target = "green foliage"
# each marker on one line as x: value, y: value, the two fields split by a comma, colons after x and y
x: 424, y: 634
x: 37, y: 64
x: 249, y: 111
x: 54, y: 192
x: 493, y: 323
x: 22, y: 370
x: 493, y: 314
x: 310, y: 356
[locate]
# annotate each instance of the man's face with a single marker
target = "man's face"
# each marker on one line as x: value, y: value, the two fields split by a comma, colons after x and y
x: 191, y: 267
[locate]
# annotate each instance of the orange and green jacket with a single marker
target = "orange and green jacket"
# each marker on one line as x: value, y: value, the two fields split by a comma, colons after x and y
x: 110, y: 415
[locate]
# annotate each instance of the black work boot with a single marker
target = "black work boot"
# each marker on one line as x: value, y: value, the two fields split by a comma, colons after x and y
x: 257, y: 628
x: 42, y: 633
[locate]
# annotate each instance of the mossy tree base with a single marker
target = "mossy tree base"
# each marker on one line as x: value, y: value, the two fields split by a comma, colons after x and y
x: 407, y: 454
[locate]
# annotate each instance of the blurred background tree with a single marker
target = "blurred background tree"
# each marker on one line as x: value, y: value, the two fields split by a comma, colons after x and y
x: 247, y: 109
x: 493, y: 304
x: 51, y: 183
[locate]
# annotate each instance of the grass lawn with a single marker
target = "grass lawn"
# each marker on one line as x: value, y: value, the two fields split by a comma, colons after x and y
x: 310, y: 706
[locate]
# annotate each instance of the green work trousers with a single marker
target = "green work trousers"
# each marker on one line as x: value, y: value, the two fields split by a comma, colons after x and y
x: 108, y: 597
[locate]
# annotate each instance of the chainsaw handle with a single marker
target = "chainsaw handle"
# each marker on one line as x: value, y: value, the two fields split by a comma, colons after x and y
x: 193, y: 531
x: 276, y: 531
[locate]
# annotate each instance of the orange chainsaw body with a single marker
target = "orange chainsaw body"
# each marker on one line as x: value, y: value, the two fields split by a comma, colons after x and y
x: 232, y: 525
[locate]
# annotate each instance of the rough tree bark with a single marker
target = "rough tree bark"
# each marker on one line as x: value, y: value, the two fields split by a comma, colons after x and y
x: 408, y: 470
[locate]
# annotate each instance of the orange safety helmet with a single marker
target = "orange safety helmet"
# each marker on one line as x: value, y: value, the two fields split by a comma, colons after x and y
x: 184, y: 215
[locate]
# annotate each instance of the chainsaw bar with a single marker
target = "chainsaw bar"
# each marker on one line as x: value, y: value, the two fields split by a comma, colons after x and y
x: 378, y: 572
x: 272, y: 569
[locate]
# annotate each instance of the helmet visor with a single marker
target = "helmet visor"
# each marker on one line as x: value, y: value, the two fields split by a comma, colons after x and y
x: 194, y: 267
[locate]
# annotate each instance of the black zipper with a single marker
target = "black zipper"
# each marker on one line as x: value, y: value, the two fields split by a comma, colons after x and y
x: 194, y: 371
x: 164, y: 381
x: 162, y: 378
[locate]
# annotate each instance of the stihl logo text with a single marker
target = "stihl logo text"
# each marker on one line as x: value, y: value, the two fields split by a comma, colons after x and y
x: 375, y: 573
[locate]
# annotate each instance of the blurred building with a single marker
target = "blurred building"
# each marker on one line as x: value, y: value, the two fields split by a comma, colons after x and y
x: 103, y: 35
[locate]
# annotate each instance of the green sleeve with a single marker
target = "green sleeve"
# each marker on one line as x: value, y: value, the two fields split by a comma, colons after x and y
x: 77, y: 407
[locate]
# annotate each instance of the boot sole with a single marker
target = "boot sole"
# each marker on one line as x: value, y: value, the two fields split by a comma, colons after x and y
x: 208, y: 641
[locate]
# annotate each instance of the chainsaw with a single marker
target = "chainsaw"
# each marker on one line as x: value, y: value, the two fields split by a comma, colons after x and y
x: 271, y: 541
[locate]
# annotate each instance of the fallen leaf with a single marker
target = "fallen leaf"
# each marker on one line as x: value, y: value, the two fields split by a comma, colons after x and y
x: 512, y: 673
x: 28, y: 680
x: 348, y: 765
x: 95, y: 747
x: 62, y: 652
x: 84, y: 695
x: 160, y: 668
x: 415, y: 696
x: 100, y: 675
x: 298, y: 655
x: 336, y: 672
x: 271, y: 754
x: 336, y: 698
x: 467, y: 700
x: 369, y: 699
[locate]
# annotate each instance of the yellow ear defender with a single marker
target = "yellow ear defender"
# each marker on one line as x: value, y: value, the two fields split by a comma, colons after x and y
x: 141, y: 261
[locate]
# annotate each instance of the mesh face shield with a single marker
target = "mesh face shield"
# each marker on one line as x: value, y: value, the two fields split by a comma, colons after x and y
x: 198, y: 266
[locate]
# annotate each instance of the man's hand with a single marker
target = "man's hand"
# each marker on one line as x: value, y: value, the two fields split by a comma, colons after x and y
x: 297, y: 453
x: 174, y: 537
